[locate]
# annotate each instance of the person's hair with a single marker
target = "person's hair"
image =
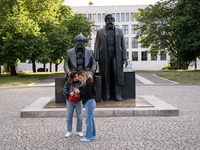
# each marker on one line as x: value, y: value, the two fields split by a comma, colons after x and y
x: 86, y: 75
x: 107, y: 16
x: 72, y: 75
x: 80, y: 37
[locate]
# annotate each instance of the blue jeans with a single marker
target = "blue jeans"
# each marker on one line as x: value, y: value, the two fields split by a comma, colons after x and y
x: 79, y: 113
x: 90, y: 123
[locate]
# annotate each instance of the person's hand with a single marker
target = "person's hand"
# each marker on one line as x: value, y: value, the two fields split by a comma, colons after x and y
x: 76, y: 91
x: 125, y: 62
x: 72, y: 93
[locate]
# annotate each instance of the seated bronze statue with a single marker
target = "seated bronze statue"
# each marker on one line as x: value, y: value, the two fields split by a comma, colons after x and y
x: 79, y: 58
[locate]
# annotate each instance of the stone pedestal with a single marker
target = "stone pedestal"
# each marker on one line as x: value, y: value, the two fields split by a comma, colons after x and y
x: 60, y: 82
x: 128, y: 89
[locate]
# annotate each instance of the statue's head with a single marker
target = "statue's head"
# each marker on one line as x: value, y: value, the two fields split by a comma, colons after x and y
x: 79, y: 41
x: 109, y: 19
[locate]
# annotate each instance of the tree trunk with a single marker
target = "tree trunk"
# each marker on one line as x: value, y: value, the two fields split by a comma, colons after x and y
x: 0, y: 70
x: 51, y: 69
x: 13, y: 70
x: 56, y: 67
x: 178, y: 60
x: 195, y: 64
x: 33, y: 65
x: 44, y: 67
x: 8, y: 67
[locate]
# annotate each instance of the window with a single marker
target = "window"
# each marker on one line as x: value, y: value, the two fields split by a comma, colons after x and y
x: 117, y: 26
x: 132, y: 19
x: 127, y: 54
x: 127, y: 17
x: 85, y: 15
x: 162, y: 55
x: 103, y: 17
x: 90, y: 17
x: 117, y: 17
x: 136, y: 15
x: 113, y: 14
x: 144, y: 56
x: 133, y: 29
x: 89, y: 44
x: 134, y: 56
x: 98, y: 27
x: 94, y: 17
x: 126, y: 42
x: 122, y: 17
x: 134, y: 42
x: 154, y: 55
x: 125, y: 29
x: 99, y: 17
x: 142, y: 46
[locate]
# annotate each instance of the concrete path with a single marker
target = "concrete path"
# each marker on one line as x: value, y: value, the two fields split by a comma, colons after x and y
x: 134, y: 133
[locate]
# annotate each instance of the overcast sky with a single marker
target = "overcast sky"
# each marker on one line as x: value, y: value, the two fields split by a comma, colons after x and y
x: 108, y: 2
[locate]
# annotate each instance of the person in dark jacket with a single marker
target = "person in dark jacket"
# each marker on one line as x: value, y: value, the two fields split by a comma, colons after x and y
x: 69, y: 90
x: 88, y: 94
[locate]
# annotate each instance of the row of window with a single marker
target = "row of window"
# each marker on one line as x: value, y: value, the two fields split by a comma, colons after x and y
x: 154, y: 56
x: 119, y: 17
x: 125, y: 29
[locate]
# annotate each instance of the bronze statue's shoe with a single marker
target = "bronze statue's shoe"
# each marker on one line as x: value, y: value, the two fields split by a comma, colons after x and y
x: 119, y: 99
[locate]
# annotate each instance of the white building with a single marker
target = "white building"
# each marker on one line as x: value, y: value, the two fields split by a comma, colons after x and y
x: 139, y: 56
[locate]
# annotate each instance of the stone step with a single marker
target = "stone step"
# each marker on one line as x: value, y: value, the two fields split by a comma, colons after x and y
x: 144, y: 105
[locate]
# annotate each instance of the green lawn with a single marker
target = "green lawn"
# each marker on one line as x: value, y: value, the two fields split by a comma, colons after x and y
x: 21, y: 78
x: 190, y: 77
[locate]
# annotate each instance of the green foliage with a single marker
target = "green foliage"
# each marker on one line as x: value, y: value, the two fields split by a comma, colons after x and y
x: 188, y: 23
x: 39, y: 30
x: 172, y: 26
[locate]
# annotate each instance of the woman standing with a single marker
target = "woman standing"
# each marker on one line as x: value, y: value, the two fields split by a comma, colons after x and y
x: 69, y: 90
x: 88, y: 94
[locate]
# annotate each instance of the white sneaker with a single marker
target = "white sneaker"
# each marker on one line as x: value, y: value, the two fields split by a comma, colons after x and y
x: 68, y: 134
x: 80, y: 134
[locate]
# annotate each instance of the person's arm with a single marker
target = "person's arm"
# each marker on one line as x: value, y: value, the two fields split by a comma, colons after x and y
x: 66, y: 89
x: 87, y: 90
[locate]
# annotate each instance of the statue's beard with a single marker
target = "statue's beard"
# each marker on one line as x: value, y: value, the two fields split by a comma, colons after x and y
x: 110, y: 25
x: 80, y: 46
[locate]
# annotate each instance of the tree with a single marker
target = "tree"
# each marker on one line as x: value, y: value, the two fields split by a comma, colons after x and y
x: 15, y: 25
x: 154, y: 28
x: 187, y: 23
x: 79, y: 24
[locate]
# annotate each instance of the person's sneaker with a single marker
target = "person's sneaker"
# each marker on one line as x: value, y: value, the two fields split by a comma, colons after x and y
x: 92, y: 138
x: 68, y: 134
x: 85, y: 139
x: 80, y: 134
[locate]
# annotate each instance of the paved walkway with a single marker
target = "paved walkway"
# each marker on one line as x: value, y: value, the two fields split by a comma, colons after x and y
x: 134, y: 133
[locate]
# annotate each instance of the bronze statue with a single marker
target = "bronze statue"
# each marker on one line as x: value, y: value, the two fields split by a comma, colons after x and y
x: 79, y: 58
x: 110, y: 53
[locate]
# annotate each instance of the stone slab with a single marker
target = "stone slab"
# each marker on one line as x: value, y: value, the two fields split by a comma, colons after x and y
x: 160, y: 108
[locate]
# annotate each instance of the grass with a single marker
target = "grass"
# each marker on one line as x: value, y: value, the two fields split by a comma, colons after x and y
x: 22, y: 78
x: 189, y: 77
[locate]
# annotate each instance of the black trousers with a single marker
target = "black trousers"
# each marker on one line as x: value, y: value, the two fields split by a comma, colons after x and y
x: 111, y: 89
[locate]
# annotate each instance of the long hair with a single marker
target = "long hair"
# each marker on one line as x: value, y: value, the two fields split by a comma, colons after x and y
x: 86, y: 76
x: 72, y: 75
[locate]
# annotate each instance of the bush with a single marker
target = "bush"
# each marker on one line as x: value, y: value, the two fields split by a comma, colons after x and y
x: 167, y: 67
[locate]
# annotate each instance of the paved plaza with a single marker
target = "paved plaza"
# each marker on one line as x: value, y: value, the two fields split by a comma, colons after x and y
x: 113, y: 133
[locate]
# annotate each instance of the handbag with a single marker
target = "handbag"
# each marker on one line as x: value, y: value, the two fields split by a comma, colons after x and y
x: 76, y: 97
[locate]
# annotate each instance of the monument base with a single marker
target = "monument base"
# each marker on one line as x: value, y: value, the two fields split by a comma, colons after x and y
x: 144, y: 105
x: 128, y: 89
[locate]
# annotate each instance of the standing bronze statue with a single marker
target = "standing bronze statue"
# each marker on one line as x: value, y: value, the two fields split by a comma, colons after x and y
x: 110, y: 53
x: 79, y: 58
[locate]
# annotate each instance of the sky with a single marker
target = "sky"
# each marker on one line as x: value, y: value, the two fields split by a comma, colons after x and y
x: 108, y: 2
